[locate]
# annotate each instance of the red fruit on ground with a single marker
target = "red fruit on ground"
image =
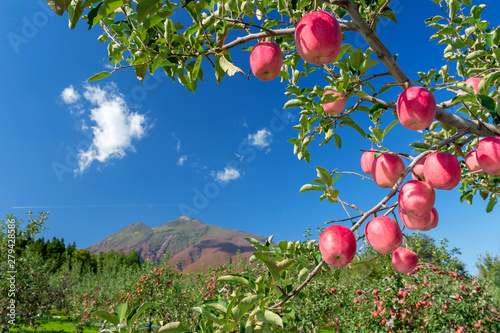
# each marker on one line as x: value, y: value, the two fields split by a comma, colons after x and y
x: 386, y: 170
x: 337, y: 106
x: 488, y: 155
x: 359, y: 292
x: 333, y: 290
x: 472, y: 163
x: 404, y: 260
x: 416, y: 198
x: 337, y: 245
x: 416, y: 108
x: 383, y: 234
x: 318, y: 37
x: 442, y: 171
x: 367, y: 161
x: 266, y: 59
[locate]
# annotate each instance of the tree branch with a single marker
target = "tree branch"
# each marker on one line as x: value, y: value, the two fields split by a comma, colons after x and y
x: 395, y: 70
x: 302, y: 285
x: 395, y: 188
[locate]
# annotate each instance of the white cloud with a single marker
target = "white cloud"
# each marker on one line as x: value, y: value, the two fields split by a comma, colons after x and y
x: 228, y: 174
x: 182, y: 160
x: 69, y: 95
x: 261, y: 139
x: 115, y: 126
x: 177, y: 143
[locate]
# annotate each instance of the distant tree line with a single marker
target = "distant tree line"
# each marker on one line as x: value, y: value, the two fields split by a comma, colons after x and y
x: 55, y: 253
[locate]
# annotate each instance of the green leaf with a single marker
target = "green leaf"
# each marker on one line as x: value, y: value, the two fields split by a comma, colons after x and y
x: 235, y: 279
x: 229, y: 67
x: 293, y: 103
x: 454, y: 6
x: 98, y: 76
x: 328, y: 136
x: 147, y: 7
x: 136, y: 312
x: 349, y: 122
x: 487, y: 102
x: 140, y: 71
x: 311, y: 187
x: 475, y: 54
x: 120, y: 311
x: 391, y: 125
x: 367, y: 64
x: 109, y: 6
x: 113, y: 319
x: 389, y: 14
x: 93, y: 16
x: 89, y: 3
x: 57, y: 6
x: 356, y: 58
x: 244, y: 305
x: 267, y: 316
x: 324, y: 175
x: 271, y: 265
x: 75, y: 10
x: 491, y: 204
x: 338, y: 140
x: 175, y: 327
x: 419, y: 145
x: 465, y: 87
x: 217, y: 305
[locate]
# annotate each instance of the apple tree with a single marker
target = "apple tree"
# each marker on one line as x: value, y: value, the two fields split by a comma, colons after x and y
x: 291, y: 39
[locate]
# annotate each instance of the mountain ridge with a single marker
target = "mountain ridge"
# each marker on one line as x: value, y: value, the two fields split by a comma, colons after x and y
x: 191, y: 243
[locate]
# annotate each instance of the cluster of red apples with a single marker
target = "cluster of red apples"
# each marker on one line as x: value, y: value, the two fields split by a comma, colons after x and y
x: 416, y: 108
x: 318, y: 40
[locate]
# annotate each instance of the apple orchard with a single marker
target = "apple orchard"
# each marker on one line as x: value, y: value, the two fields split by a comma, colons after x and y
x: 460, y: 138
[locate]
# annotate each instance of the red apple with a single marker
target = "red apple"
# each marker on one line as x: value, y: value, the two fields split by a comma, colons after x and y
x: 266, y: 59
x: 318, y: 38
x: 416, y: 108
x: 434, y: 220
x: 367, y: 161
x: 337, y: 106
x: 383, y: 234
x: 474, y: 83
x: 415, y: 223
x: 386, y: 170
x: 442, y: 171
x: 404, y: 260
x: 416, y: 198
x: 337, y: 245
x: 488, y: 155
x: 472, y: 163
x: 418, y: 169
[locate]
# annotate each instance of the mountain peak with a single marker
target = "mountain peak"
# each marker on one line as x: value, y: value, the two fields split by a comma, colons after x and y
x: 194, y: 242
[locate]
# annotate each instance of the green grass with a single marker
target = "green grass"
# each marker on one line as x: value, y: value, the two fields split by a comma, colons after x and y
x: 61, y: 324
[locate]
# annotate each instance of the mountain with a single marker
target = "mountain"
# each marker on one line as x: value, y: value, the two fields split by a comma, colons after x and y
x: 197, y: 244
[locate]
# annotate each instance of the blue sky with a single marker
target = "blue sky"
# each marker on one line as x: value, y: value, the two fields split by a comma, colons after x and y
x: 220, y: 155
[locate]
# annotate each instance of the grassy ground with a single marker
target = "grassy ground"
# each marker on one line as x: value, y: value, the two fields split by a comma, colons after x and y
x: 61, y: 324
